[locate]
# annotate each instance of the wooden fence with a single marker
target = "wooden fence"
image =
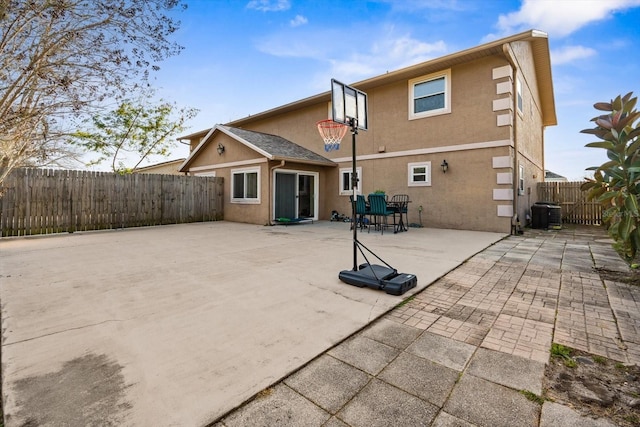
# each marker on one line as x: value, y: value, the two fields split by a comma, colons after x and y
x: 576, y: 209
x: 44, y: 201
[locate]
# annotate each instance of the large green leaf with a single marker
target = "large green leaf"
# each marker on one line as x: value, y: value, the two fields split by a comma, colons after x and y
x: 635, y: 240
x: 601, y: 144
x: 606, y: 196
x: 626, y: 226
x: 631, y: 205
x: 611, y: 154
x: 629, y: 103
x: 617, y: 103
x: 634, y: 146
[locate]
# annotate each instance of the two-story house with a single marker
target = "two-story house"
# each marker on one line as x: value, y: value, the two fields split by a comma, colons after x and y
x: 482, y: 111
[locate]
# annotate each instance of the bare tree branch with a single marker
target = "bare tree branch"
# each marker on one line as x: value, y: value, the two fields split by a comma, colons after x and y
x: 60, y: 59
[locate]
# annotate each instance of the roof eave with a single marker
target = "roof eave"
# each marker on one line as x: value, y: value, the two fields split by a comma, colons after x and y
x: 542, y: 60
x: 306, y: 161
x: 443, y: 62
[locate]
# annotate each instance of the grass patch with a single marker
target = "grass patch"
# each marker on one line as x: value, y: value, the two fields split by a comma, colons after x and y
x: 264, y: 393
x: 407, y: 301
x: 633, y: 419
x: 599, y: 360
x: 558, y: 350
x: 532, y: 396
x: 621, y: 366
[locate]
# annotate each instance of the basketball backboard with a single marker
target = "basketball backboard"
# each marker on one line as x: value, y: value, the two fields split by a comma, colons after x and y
x: 348, y: 103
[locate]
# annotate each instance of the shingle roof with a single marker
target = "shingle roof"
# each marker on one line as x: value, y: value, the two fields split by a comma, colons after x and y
x: 275, y: 147
x: 549, y: 174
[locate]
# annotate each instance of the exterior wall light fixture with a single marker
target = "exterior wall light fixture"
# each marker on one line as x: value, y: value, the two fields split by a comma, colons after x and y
x: 220, y: 149
x: 445, y: 166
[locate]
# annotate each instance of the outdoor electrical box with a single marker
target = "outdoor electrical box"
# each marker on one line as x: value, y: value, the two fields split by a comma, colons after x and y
x: 545, y: 215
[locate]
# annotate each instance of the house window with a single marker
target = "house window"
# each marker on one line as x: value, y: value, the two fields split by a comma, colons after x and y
x: 419, y: 174
x: 345, y: 181
x: 521, y: 180
x: 245, y: 185
x: 519, y: 94
x: 430, y: 95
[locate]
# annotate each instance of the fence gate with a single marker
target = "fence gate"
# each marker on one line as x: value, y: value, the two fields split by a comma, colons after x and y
x: 576, y: 209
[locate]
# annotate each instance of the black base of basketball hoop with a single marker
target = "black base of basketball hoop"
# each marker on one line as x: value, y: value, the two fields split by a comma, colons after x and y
x: 379, y: 277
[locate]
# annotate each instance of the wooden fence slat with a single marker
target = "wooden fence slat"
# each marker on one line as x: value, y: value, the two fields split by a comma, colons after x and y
x: 44, y: 201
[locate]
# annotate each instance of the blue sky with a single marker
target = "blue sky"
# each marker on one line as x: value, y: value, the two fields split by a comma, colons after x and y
x: 245, y: 57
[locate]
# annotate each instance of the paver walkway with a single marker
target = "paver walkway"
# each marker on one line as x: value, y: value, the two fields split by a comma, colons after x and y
x: 459, y: 352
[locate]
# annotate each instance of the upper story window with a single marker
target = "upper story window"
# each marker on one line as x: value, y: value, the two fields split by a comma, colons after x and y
x: 245, y: 185
x: 419, y: 174
x: 430, y: 95
x: 345, y: 181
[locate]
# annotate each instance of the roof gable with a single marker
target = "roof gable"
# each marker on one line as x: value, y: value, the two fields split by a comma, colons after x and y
x: 273, y: 147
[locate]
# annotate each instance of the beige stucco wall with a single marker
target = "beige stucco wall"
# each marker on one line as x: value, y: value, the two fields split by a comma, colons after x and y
x: 461, y: 198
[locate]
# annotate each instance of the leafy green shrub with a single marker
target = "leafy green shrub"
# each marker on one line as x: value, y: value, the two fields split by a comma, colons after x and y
x: 616, y: 183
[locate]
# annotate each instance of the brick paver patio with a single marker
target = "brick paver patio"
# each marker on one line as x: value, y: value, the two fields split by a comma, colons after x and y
x: 526, y: 291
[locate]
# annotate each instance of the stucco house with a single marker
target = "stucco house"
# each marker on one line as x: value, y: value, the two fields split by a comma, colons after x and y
x: 170, y: 167
x: 554, y: 177
x: 482, y: 110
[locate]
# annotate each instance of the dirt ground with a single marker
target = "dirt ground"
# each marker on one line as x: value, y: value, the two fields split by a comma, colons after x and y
x: 595, y: 386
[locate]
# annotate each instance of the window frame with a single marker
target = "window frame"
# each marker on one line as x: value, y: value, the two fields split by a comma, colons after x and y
x: 519, y: 97
x: 446, y: 74
x: 349, y: 192
x: 245, y: 172
x: 411, y: 174
x: 520, y: 179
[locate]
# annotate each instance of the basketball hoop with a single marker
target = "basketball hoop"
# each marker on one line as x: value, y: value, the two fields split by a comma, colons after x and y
x: 332, y: 133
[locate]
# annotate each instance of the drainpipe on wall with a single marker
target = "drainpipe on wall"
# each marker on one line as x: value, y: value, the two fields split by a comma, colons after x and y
x: 272, y: 192
x: 508, y: 53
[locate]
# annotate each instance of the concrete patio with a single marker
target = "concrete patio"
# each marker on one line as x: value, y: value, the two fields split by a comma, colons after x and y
x: 178, y: 325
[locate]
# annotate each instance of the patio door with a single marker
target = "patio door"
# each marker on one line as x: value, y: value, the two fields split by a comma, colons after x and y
x: 295, y: 195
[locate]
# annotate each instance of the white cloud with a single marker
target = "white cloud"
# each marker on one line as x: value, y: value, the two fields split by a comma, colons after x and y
x: 568, y: 54
x: 413, y: 5
x: 269, y: 5
x: 362, y: 58
x: 298, y: 20
x: 559, y: 18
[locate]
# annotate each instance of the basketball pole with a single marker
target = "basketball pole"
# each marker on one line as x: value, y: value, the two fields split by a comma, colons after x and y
x: 354, y: 187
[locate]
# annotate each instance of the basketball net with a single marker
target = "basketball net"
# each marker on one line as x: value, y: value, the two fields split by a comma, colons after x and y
x: 332, y: 133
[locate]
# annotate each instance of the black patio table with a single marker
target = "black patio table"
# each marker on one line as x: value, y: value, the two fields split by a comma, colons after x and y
x: 400, y: 204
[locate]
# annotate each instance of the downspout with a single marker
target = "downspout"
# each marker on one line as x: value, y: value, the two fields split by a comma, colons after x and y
x: 272, y: 193
x: 508, y: 53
